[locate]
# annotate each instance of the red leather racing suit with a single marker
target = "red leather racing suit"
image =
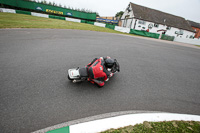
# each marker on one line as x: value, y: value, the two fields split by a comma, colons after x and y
x: 98, y: 72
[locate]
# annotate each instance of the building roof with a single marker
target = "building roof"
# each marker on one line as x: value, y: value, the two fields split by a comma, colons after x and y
x: 194, y: 24
x: 159, y: 17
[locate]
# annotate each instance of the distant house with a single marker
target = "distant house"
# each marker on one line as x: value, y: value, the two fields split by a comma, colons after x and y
x: 196, y: 27
x: 142, y: 18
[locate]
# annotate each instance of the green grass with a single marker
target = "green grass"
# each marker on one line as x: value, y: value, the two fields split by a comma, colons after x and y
x: 160, y: 127
x: 197, y: 45
x: 9, y: 20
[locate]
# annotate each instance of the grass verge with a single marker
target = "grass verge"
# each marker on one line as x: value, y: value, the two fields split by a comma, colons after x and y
x: 10, y: 20
x: 160, y: 127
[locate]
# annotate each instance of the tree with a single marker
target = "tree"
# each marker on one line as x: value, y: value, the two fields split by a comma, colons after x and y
x: 119, y: 14
x: 97, y: 14
x: 45, y: 2
x: 49, y: 3
x: 54, y: 4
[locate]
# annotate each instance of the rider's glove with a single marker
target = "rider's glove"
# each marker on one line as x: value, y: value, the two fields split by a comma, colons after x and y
x: 107, y: 79
x: 111, y: 74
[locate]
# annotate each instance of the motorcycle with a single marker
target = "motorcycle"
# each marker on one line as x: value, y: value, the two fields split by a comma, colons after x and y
x: 81, y: 74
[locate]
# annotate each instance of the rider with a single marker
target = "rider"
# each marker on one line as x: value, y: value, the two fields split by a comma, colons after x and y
x: 100, y: 70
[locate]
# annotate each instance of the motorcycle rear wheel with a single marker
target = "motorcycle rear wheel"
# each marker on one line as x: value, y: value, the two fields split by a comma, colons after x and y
x: 69, y: 78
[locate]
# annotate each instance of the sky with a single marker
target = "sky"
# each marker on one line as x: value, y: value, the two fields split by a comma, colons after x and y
x: 188, y: 9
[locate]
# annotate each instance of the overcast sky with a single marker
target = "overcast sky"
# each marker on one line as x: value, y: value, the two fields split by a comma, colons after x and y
x: 188, y: 9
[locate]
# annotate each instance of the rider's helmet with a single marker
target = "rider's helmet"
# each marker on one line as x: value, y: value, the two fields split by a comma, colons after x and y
x: 109, y: 62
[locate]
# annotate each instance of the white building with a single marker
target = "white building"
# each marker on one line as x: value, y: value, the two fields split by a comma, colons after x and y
x: 142, y: 18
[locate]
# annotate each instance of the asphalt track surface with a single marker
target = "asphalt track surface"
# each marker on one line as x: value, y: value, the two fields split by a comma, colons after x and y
x: 35, y: 92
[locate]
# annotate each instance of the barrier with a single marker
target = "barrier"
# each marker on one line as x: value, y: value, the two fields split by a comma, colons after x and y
x: 110, y: 26
x: 144, y: 33
x: 90, y: 22
x: 87, y: 22
x: 187, y: 40
x: 100, y: 24
x: 7, y: 10
x: 56, y: 17
x: 23, y: 12
x: 39, y: 15
x: 166, y: 37
x: 122, y: 29
x: 72, y: 19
